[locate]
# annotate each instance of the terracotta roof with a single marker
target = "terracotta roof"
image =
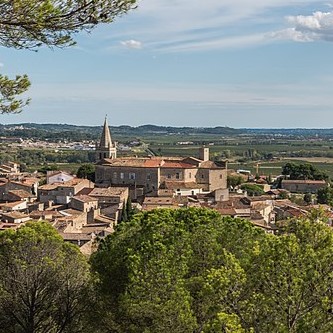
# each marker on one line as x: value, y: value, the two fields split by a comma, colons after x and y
x: 158, y: 201
x: 84, y: 198
x: 11, y: 204
x: 70, y: 212
x: 6, y: 225
x: 21, y: 183
x: 21, y: 193
x: 226, y: 211
x: 208, y: 165
x: 44, y: 214
x: 107, y: 191
x: 103, y: 219
x: 177, y: 165
x: 69, y: 183
x: 48, y: 187
x: 14, y: 215
x: 30, y: 180
x: 134, y: 162
x: 72, y: 182
x: 75, y: 236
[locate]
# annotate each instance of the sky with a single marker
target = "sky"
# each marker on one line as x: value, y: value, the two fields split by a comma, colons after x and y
x: 236, y: 63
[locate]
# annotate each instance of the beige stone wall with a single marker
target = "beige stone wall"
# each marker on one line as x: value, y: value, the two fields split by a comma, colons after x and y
x: 302, y: 188
x: 83, y: 206
x: 118, y: 175
x: 217, y: 179
x: 172, y: 174
x: 202, y: 178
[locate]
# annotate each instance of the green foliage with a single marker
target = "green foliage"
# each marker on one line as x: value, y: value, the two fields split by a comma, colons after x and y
x: 303, y: 171
x: 234, y: 180
x: 190, y: 270
x: 9, y: 89
x: 252, y: 189
x: 307, y: 198
x: 325, y: 195
x: 43, y: 281
x: 29, y: 24
x: 170, y: 271
x: 87, y: 171
x: 127, y: 211
x: 45, y: 168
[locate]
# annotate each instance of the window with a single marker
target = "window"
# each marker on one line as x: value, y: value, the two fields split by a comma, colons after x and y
x: 169, y: 176
x: 202, y: 176
x: 131, y: 175
x: 190, y: 175
x: 115, y: 175
x: 177, y: 175
x: 121, y: 175
x: 148, y: 176
x: 221, y: 176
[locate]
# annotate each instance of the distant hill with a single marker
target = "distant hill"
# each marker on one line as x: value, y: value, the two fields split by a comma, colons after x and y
x: 75, y: 132
x: 79, y: 133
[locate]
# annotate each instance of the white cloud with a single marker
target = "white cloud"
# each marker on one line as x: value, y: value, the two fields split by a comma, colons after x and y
x: 318, y: 26
x: 132, y: 44
x: 1, y: 64
x: 195, y: 25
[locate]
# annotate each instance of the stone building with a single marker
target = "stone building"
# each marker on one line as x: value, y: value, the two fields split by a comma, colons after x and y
x: 61, y: 193
x: 303, y: 186
x: 145, y: 176
x: 106, y: 148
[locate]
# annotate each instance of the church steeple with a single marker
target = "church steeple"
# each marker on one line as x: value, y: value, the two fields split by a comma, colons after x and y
x: 106, y: 136
x: 105, y: 148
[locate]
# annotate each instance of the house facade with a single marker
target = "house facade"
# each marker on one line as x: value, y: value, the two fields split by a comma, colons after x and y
x: 146, y: 176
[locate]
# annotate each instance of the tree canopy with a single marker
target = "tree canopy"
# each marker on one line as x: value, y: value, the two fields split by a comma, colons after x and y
x: 303, y: 171
x: 86, y: 170
x: 190, y: 270
x: 43, y: 281
x: 252, y: 189
x: 29, y: 24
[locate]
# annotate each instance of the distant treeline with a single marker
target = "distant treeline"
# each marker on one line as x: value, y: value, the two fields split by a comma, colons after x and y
x: 79, y: 133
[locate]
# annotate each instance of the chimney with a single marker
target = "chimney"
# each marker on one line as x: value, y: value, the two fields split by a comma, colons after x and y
x: 204, y: 153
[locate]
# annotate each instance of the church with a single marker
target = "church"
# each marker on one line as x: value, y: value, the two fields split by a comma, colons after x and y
x: 157, y: 176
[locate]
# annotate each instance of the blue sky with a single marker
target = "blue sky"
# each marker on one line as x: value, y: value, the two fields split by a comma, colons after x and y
x: 237, y: 63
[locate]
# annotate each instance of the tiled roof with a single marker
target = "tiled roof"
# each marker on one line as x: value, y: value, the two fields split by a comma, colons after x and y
x: 135, y: 162
x: 75, y: 236
x: 302, y: 181
x: 21, y: 193
x: 70, y: 212
x: 15, y: 215
x: 177, y: 165
x: 11, y: 204
x: 84, y: 198
x: 69, y: 183
x: 158, y: 201
x: 108, y: 191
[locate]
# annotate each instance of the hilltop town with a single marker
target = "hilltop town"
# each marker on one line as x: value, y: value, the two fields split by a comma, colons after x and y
x: 83, y: 211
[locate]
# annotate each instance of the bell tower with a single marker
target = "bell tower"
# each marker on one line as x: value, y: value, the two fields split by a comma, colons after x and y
x: 105, y: 148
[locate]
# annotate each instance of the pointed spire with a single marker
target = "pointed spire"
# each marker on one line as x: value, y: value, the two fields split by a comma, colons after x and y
x: 106, y: 141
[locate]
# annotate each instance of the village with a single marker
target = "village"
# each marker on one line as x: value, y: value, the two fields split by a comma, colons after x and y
x: 84, y: 212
